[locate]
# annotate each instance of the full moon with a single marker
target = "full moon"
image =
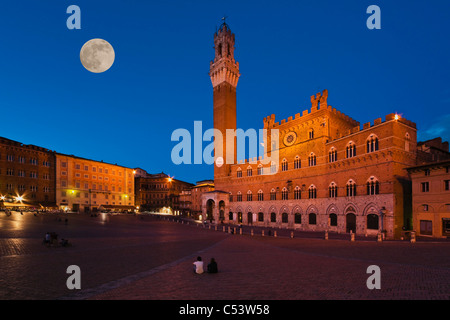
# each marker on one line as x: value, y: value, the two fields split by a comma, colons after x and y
x: 97, y: 55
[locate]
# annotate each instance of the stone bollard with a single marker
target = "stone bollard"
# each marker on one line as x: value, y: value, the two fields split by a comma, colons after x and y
x: 223, y: 229
x: 326, y: 235
x: 413, y: 237
x: 352, y: 236
x: 215, y: 227
x: 379, y: 238
x: 262, y: 233
x: 229, y: 230
x: 292, y: 234
x: 251, y: 232
x: 275, y: 233
x: 209, y: 227
x: 234, y: 229
x: 240, y: 231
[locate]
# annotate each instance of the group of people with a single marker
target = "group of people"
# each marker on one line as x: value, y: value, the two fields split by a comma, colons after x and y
x: 211, y: 268
x: 52, y: 238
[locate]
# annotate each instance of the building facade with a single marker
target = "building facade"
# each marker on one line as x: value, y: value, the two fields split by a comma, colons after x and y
x: 27, y: 175
x: 159, y: 192
x: 191, y: 199
x: 330, y: 173
x: 431, y: 199
x: 84, y: 185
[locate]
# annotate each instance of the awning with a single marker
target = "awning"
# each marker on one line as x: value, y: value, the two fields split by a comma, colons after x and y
x: 18, y: 204
x: 121, y: 207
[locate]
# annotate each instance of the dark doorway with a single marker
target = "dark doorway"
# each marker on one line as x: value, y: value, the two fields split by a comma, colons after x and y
x: 250, y: 218
x: 351, y: 222
x: 210, y: 204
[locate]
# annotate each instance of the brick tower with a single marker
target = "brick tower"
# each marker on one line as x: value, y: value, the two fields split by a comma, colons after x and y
x: 224, y: 73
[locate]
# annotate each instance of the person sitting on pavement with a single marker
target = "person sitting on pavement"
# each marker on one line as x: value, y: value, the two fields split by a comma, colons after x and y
x: 212, y: 266
x: 64, y: 242
x: 198, y: 266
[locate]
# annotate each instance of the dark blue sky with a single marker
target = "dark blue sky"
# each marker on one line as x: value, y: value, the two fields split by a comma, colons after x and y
x: 287, y: 50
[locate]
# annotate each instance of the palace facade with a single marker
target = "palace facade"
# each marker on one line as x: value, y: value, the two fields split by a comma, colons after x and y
x: 159, y: 192
x: 431, y: 198
x: 191, y: 199
x: 84, y: 185
x: 330, y: 174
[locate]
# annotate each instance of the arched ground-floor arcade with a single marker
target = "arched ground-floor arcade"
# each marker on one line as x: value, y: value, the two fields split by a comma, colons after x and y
x: 363, y: 215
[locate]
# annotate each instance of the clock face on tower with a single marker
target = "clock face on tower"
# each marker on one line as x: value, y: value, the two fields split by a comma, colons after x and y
x: 289, y: 138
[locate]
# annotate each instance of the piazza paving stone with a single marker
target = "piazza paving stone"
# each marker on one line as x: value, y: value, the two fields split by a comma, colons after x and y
x: 133, y: 257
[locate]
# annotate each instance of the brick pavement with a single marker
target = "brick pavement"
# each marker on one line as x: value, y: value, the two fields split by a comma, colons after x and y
x: 263, y: 270
x: 128, y: 258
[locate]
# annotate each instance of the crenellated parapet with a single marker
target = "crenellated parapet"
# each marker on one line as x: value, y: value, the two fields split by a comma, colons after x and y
x: 318, y: 103
x: 224, y: 70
